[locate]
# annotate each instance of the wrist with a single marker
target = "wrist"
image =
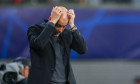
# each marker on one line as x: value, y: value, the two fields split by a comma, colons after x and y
x: 71, y: 26
x: 53, y: 21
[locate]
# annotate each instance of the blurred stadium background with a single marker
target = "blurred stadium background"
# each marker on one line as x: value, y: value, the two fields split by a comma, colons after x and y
x: 110, y: 27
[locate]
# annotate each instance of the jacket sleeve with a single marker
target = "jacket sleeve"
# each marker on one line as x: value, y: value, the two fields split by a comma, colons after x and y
x: 78, y: 42
x: 39, y: 39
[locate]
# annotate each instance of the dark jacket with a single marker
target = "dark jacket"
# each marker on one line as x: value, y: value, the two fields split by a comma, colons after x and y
x: 42, y: 51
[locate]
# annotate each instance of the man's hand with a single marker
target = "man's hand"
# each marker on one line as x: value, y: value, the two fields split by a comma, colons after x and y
x: 71, y: 16
x: 55, y: 14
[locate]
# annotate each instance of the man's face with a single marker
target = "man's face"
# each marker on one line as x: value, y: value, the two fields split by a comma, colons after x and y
x: 62, y: 23
x: 25, y: 73
x: 60, y: 27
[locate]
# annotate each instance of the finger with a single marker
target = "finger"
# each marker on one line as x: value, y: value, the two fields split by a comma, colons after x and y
x: 58, y: 10
x: 71, y: 10
x: 71, y: 13
x: 53, y: 9
x: 69, y: 17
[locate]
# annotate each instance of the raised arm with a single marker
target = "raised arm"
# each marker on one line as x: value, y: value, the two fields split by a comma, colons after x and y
x: 38, y: 37
x: 78, y: 42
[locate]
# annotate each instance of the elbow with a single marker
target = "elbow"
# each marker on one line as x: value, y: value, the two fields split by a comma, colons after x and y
x: 83, y: 51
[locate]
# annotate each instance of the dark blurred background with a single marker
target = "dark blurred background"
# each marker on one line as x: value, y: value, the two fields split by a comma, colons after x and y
x: 111, y: 29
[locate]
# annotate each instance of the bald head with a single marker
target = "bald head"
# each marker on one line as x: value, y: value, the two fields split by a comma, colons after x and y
x: 64, y: 17
x: 63, y: 9
x: 59, y: 16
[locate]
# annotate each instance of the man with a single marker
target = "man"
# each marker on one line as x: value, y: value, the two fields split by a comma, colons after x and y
x: 50, y: 47
x: 11, y: 73
x: 25, y: 72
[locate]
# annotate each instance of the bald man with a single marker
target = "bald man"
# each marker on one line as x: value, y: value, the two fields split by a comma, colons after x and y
x: 50, y: 47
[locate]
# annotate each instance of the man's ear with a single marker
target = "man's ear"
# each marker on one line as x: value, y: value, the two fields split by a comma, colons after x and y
x: 49, y: 19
